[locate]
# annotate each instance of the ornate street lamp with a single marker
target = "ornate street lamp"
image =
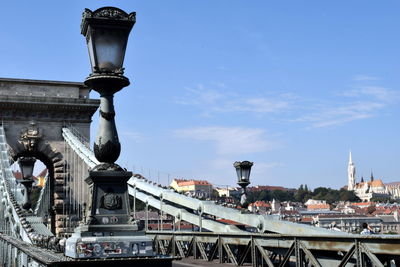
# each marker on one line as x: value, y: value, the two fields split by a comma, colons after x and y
x: 106, y: 30
x: 243, y: 169
x: 27, y: 164
x: 107, y: 221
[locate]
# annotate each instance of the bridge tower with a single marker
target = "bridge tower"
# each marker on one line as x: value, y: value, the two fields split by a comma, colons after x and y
x: 33, y: 113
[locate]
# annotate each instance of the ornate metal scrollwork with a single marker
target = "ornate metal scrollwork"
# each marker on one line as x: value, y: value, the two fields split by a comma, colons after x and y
x: 111, y: 201
x: 109, y: 13
x: 30, y: 137
x: 107, y: 115
x: 108, y: 152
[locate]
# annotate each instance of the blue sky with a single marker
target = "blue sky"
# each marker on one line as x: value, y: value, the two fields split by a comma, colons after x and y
x: 290, y: 85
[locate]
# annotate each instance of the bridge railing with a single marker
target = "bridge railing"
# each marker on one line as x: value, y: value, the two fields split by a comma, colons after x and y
x: 17, y: 253
x: 278, y: 250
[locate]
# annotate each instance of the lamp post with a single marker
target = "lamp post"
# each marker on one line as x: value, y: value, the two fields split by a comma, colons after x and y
x: 27, y: 164
x: 107, y: 221
x: 106, y: 30
x: 243, y: 169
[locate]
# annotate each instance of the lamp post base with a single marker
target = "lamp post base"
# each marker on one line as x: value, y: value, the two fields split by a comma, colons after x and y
x: 108, y: 230
x: 119, y: 241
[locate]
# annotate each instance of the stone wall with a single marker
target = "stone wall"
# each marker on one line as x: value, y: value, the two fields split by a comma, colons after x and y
x: 33, y: 114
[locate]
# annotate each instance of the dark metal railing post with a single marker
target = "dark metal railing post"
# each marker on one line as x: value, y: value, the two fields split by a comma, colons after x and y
x: 358, y: 253
x: 134, y: 203
x: 147, y: 217
x: 253, y: 252
x: 220, y: 250
x: 161, y: 214
x: 173, y: 240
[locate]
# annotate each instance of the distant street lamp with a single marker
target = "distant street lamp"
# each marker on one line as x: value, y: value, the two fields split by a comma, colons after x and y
x: 27, y: 164
x: 243, y: 169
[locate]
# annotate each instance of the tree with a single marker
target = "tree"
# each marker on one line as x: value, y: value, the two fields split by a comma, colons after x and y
x: 345, y: 195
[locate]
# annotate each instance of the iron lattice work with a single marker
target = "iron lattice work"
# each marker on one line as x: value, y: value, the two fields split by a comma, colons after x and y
x: 280, y: 250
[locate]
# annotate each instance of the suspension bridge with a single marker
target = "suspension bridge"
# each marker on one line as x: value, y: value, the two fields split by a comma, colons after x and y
x: 83, y: 216
x: 36, y: 236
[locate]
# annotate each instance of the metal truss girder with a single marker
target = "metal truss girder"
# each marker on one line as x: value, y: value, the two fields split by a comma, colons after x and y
x: 288, y: 254
x: 309, y: 255
x: 214, y: 250
x: 264, y: 255
x: 228, y: 251
x: 161, y: 246
x: 348, y: 256
x: 190, y: 247
x: 180, y: 249
x: 246, y: 251
x: 202, y: 250
x: 371, y: 256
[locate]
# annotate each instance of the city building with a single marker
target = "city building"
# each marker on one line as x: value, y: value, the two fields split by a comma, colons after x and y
x: 193, y: 188
x: 227, y: 191
x: 259, y: 207
x: 348, y: 223
x: 390, y: 223
x: 375, y: 188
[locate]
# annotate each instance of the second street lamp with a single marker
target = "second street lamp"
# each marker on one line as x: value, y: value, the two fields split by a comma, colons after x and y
x: 27, y: 164
x: 243, y: 169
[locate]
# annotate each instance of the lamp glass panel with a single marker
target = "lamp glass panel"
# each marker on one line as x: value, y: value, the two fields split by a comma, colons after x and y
x: 245, y: 174
x: 109, y: 47
x: 27, y: 170
x: 92, y: 55
x: 239, y: 174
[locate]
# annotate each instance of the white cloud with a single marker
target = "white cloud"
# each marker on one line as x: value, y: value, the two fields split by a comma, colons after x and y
x: 358, y: 103
x: 328, y: 116
x: 263, y: 167
x: 375, y: 92
x: 212, y: 100
x: 135, y: 136
x: 363, y: 77
x: 230, y: 140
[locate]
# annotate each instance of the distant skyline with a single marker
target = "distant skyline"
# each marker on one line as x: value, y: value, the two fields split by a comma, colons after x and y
x: 291, y: 86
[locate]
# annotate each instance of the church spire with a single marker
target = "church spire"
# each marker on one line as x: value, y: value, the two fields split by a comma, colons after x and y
x: 372, y: 176
x: 351, y: 174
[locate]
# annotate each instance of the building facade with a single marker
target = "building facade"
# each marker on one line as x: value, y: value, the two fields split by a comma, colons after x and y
x: 374, y: 188
x: 193, y: 188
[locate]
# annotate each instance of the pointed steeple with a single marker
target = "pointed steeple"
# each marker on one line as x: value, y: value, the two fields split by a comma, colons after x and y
x: 350, y: 159
x: 372, y: 176
x: 362, y: 179
x: 351, y: 174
